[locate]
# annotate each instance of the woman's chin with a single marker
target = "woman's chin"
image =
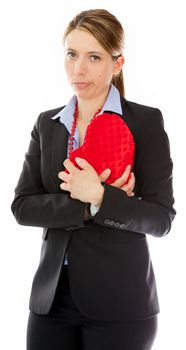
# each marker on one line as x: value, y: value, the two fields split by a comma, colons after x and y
x: 82, y: 94
x: 82, y: 90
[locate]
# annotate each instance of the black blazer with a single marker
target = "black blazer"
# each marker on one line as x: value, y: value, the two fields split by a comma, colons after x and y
x: 110, y: 269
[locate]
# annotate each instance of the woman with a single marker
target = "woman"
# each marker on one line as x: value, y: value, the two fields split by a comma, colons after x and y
x: 95, y: 287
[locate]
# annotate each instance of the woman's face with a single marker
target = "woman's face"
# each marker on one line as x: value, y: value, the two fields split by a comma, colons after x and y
x: 88, y: 65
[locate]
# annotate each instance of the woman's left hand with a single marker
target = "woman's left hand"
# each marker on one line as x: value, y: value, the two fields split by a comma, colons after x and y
x: 84, y: 184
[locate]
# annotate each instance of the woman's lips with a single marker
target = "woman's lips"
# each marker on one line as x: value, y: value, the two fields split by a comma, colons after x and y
x: 80, y: 85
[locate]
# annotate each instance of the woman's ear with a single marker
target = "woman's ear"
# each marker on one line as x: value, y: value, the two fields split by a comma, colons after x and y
x: 118, y: 64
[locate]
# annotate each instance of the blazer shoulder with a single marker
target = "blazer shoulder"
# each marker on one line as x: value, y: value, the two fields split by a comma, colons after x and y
x: 140, y: 111
x: 51, y: 112
x: 45, y: 118
x: 141, y: 119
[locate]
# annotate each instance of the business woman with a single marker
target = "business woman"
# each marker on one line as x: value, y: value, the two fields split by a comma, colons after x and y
x: 94, y: 288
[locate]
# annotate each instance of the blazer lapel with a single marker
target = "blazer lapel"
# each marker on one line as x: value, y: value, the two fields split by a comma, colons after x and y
x: 59, y: 149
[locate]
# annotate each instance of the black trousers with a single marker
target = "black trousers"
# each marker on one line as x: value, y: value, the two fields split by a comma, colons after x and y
x: 65, y: 328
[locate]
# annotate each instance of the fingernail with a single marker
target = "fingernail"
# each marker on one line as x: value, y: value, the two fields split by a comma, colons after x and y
x: 78, y: 160
x: 107, y: 171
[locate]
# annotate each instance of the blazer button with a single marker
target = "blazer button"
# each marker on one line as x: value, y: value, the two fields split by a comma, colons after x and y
x: 122, y: 226
x: 107, y: 222
x: 117, y: 224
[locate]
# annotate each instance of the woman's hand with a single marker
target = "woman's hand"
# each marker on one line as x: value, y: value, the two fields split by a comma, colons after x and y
x: 128, y: 188
x: 83, y: 184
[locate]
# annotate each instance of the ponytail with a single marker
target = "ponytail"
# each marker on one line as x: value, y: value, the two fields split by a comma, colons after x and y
x: 118, y: 82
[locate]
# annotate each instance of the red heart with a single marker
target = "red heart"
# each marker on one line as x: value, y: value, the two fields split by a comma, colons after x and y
x: 108, y: 143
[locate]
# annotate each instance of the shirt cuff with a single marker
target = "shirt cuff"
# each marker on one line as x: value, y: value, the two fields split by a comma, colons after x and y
x: 94, y: 209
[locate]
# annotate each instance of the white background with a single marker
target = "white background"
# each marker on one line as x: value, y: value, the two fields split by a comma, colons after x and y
x: 32, y: 80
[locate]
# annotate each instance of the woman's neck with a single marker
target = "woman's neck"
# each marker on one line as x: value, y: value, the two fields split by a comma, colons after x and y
x: 87, y: 108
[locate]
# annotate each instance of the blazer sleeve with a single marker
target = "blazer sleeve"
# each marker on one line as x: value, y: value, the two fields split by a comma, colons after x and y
x: 33, y: 205
x: 151, y: 210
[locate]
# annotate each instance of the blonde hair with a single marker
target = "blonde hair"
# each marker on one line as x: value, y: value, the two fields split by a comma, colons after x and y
x: 108, y: 31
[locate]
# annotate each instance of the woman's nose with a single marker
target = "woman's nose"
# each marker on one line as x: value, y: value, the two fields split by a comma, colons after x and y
x: 80, y: 66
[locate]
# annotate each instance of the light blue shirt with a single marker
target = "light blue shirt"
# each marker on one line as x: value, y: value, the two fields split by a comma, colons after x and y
x: 66, y: 115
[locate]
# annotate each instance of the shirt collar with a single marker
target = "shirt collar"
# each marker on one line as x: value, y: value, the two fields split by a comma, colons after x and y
x: 112, y: 104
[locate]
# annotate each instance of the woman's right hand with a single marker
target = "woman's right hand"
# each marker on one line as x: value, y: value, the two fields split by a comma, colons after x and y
x: 128, y: 188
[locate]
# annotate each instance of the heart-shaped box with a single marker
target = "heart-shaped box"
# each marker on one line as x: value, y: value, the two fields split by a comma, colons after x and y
x: 108, y: 143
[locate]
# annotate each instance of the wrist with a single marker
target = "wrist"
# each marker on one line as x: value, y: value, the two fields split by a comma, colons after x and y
x: 99, y: 196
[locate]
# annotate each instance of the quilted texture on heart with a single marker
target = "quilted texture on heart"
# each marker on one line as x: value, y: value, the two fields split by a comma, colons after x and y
x: 108, y: 143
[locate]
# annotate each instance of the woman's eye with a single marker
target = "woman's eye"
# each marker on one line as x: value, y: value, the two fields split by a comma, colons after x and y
x: 95, y: 58
x: 71, y: 55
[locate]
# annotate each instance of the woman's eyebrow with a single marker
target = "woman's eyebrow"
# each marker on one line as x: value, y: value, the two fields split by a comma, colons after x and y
x: 95, y: 52
x: 69, y: 49
x: 89, y: 52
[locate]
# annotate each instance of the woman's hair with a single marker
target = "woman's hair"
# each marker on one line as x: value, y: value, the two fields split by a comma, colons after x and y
x: 108, y: 31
